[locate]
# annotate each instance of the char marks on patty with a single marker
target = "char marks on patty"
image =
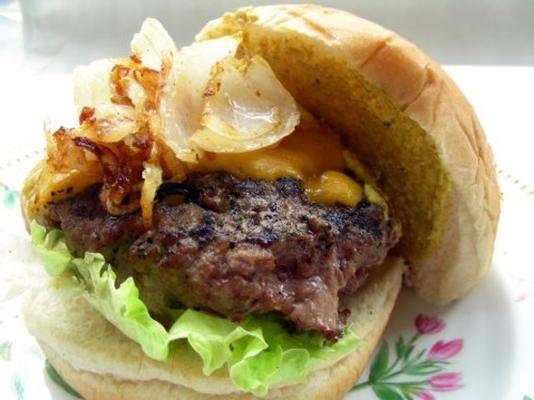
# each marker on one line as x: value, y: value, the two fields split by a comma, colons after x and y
x: 237, y: 247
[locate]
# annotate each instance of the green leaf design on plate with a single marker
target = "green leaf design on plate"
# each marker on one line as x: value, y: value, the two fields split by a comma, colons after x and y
x: 385, y: 392
x: 426, y: 367
x: 5, y: 351
x: 36, y: 351
x: 418, y: 357
x: 400, y: 347
x: 19, y: 388
x: 408, y: 396
x: 380, y: 363
x: 408, y: 360
x: 58, y: 380
x: 525, y: 397
x: 10, y: 197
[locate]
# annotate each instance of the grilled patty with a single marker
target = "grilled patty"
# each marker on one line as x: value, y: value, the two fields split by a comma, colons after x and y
x: 237, y: 247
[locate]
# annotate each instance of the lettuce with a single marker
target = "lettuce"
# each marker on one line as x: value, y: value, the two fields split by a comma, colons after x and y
x: 121, y: 305
x: 258, y: 352
x: 52, y: 249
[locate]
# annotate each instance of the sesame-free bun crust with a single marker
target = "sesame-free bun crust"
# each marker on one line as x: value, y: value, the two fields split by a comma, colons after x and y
x: 405, y: 118
x: 101, y: 363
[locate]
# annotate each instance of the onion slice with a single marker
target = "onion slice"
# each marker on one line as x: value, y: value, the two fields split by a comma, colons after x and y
x: 153, y: 45
x: 152, y: 176
x: 249, y: 110
x: 92, y: 85
x: 110, y: 123
x: 182, y: 99
x: 210, y: 96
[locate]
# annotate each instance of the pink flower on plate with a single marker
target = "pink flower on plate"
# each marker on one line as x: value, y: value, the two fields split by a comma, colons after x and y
x: 429, y: 325
x: 446, y: 381
x: 445, y: 350
x: 520, y: 298
x: 425, y: 396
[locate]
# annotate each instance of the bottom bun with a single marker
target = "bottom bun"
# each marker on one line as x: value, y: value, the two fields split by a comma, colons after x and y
x: 101, y: 363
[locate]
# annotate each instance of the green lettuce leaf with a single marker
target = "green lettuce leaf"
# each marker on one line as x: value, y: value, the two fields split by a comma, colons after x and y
x: 217, y: 340
x: 52, y: 249
x: 258, y: 352
x: 121, y: 305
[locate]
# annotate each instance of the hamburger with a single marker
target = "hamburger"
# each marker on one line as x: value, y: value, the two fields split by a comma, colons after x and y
x: 234, y: 219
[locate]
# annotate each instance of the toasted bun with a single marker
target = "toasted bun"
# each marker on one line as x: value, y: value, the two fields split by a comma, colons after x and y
x: 405, y: 118
x: 101, y: 363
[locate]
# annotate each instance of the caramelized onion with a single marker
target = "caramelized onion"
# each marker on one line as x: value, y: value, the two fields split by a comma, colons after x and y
x: 92, y: 84
x: 144, y: 118
x: 152, y: 178
x: 122, y: 166
x: 182, y: 98
x: 152, y: 45
x: 248, y: 110
x: 109, y: 123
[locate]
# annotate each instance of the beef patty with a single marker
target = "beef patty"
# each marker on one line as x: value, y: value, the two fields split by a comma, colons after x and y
x: 237, y: 247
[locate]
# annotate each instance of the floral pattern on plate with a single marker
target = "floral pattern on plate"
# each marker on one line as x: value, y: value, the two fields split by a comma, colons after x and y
x: 9, y: 197
x: 422, y: 370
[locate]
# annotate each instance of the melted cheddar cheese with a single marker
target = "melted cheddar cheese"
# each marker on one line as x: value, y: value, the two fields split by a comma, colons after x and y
x: 334, y: 187
x: 311, y: 153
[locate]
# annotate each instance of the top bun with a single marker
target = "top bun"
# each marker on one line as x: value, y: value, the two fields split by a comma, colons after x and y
x: 400, y: 113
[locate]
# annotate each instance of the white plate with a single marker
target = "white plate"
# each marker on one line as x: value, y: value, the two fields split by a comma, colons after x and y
x: 481, y: 347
